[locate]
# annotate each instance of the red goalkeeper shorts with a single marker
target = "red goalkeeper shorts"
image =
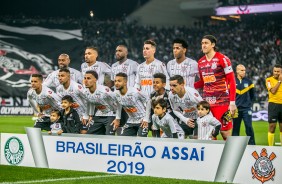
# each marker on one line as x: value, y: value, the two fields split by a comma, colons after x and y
x: 217, y: 112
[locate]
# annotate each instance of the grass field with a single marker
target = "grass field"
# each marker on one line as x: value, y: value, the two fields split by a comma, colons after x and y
x: 16, y: 174
x: 16, y: 124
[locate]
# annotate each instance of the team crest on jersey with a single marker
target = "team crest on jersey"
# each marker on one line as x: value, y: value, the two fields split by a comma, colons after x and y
x: 50, y: 92
x: 245, y: 85
x: 213, y: 65
x: 263, y: 169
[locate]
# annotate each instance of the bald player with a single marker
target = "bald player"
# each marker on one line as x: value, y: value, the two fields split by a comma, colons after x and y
x: 52, y: 80
x: 124, y: 65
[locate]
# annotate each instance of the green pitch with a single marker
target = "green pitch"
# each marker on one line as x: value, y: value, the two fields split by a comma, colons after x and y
x: 38, y: 175
x: 16, y: 124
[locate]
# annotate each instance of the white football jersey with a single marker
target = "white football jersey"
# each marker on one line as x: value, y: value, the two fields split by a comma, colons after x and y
x: 188, y: 69
x: 52, y: 79
x: 101, y: 68
x: 46, y: 100
x: 206, y: 125
x: 55, y: 127
x: 168, y: 125
x: 76, y: 91
x: 185, y: 108
x: 144, y: 77
x: 129, y: 67
x: 103, y: 99
x: 134, y: 104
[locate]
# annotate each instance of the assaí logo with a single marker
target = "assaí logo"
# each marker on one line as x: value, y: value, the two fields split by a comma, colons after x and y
x: 263, y: 169
x: 14, y: 150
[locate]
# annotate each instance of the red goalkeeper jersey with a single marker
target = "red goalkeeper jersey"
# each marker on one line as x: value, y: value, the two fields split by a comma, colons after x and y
x: 213, y: 74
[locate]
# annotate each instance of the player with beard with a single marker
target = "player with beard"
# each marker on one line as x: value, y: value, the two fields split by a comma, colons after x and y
x: 52, y: 80
x: 182, y: 65
x: 76, y: 91
x: 91, y: 63
x: 184, y: 100
x: 127, y: 66
x: 133, y: 102
x: 124, y: 65
x: 42, y: 99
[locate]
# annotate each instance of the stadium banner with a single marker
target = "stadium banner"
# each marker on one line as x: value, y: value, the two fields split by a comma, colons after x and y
x: 7, y: 110
x: 232, y: 161
x: 29, y: 49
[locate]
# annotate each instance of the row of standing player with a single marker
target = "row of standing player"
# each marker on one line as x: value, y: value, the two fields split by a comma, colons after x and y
x: 214, y: 70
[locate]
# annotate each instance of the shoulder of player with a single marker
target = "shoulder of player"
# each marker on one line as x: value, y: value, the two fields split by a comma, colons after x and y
x: 202, y: 59
x: 47, y: 90
x: 103, y: 88
x: 101, y: 63
x: 190, y: 61
x: 173, y: 61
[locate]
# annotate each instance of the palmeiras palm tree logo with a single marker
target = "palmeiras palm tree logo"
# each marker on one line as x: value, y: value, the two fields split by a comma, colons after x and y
x: 14, y: 151
x: 263, y: 169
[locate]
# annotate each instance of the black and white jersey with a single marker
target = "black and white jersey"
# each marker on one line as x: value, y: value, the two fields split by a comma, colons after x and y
x: 76, y: 91
x: 185, y: 108
x: 144, y: 77
x: 168, y: 125
x: 101, y: 68
x: 52, y: 79
x: 133, y: 102
x: 129, y: 67
x: 102, y: 99
x: 188, y: 69
x: 206, y: 125
x: 45, y: 101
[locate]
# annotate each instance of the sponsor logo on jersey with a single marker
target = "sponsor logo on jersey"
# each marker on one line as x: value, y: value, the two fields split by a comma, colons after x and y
x: 263, y: 169
x: 214, y: 65
x: 14, y: 151
x: 209, y: 78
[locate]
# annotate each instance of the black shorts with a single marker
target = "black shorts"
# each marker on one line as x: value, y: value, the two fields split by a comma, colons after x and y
x: 274, y: 112
x: 130, y: 129
x: 44, y: 123
x: 188, y: 130
x: 102, y: 125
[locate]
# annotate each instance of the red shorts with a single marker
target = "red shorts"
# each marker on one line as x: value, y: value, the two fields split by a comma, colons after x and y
x: 217, y: 112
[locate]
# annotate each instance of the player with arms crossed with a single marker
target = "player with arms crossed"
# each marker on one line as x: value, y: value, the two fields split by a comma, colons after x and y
x: 218, y: 82
x: 133, y: 102
x: 42, y: 99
